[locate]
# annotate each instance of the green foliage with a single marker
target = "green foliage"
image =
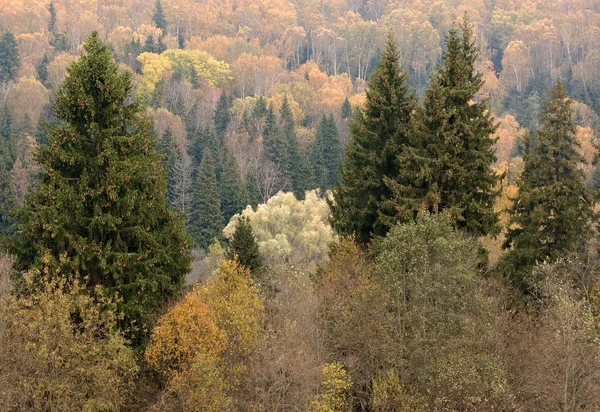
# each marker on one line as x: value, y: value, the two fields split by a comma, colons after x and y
x: 362, y: 201
x: 232, y: 192
x: 42, y: 69
x: 158, y: 18
x: 346, y: 111
x: 275, y: 145
x: 295, y: 163
x: 448, y: 165
x: 100, y: 208
x: 243, y: 246
x: 9, y: 57
x: 325, y: 153
x: 206, y: 220
x: 553, y: 212
x: 203, y: 138
x: 438, y: 318
x: 222, y: 116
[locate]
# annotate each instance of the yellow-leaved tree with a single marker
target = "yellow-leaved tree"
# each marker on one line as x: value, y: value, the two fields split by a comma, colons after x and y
x: 201, y: 346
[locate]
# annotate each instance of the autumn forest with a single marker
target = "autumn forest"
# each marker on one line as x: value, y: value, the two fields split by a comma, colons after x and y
x: 299, y: 205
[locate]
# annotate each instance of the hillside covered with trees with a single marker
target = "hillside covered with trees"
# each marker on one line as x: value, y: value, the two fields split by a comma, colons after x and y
x: 299, y: 206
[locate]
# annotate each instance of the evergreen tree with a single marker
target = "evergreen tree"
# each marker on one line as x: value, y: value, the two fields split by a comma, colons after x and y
x: 448, y: 166
x: 58, y: 41
x: 361, y: 199
x: 52, y: 19
x: 42, y: 69
x: 244, y: 246
x: 6, y: 132
x: 99, y: 212
x: 346, y: 111
x: 9, y: 57
x: 275, y: 146
x: 295, y: 164
x: 251, y: 192
x: 232, y: 200
x: 331, y: 153
x: 206, y: 220
x: 553, y: 211
x: 7, y: 200
x: 158, y: 18
x: 160, y: 46
x: 222, y: 116
x: 149, y: 45
x: 203, y: 138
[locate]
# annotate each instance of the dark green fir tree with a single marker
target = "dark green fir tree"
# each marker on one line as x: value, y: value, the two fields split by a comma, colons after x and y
x: 325, y: 153
x: 243, y: 246
x: 9, y: 57
x: 42, y: 69
x: 100, y: 212
x: 206, y: 220
x: 448, y: 164
x: 275, y: 145
x: 346, y: 111
x: 553, y: 211
x: 158, y: 18
x: 232, y: 191
x: 295, y: 163
x: 252, y: 195
x: 7, y: 200
x: 222, y: 116
x: 362, y: 201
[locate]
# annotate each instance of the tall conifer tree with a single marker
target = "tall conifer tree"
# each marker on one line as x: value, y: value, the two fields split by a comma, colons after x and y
x: 222, y: 116
x: 275, y: 145
x: 243, y: 246
x: 295, y: 163
x: 448, y: 164
x: 206, y: 220
x: 232, y: 193
x: 100, y: 210
x: 9, y: 57
x: 553, y: 212
x: 158, y: 18
x: 362, y: 201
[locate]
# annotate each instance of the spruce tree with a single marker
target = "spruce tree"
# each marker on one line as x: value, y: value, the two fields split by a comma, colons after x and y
x: 206, y: 220
x: 295, y: 164
x: 100, y: 210
x: 9, y: 57
x: 243, y: 246
x: 149, y: 46
x: 325, y: 153
x: 346, y: 111
x: 232, y: 193
x: 52, y: 19
x: 158, y: 18
x: 362, y: 201
x: 553, y: 211
x: 7, y: 199
x: 251, y: 191
x: 448, y: 164
x: 275, y: 145
x: 42, y: 69
x: 222, y: 116
x: 203, y: 137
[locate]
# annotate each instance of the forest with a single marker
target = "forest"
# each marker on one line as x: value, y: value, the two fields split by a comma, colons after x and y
x: 299, y: 205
